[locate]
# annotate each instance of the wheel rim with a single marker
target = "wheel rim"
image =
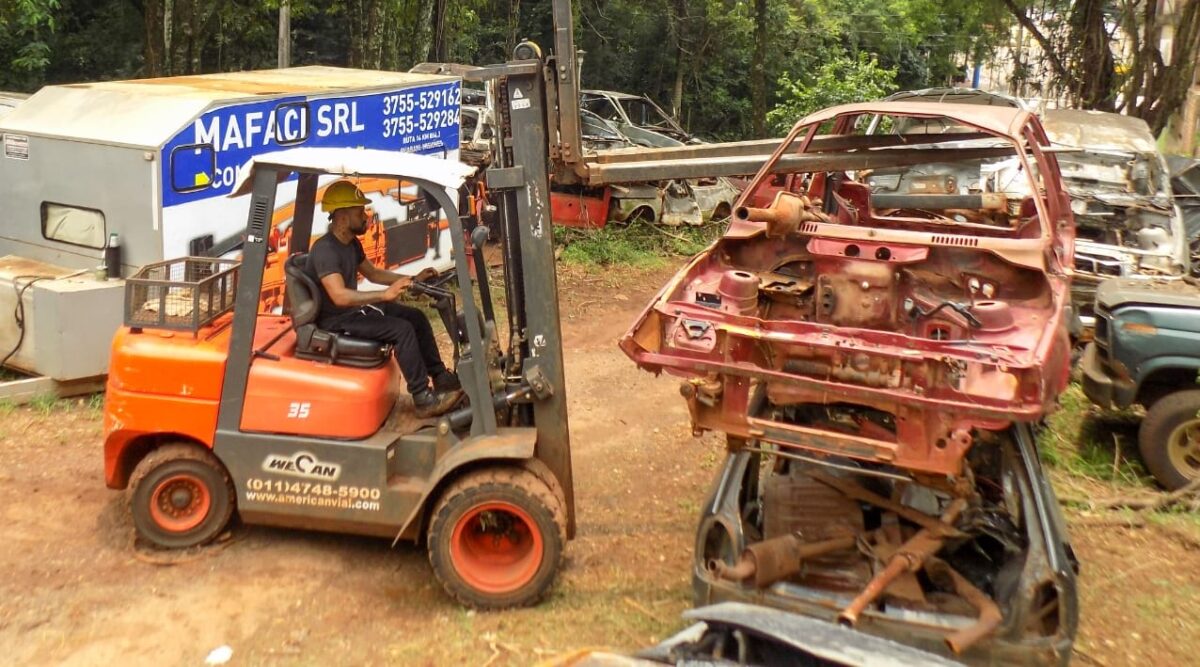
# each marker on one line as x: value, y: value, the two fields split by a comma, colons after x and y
x: 496, y: 547
x: 1183, y: 448
x: 180, y: 503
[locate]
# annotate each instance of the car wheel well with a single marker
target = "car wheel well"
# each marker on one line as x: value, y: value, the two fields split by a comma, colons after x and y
x: 722, y: 212
x: 1165, y: 381
x: 642, y: 214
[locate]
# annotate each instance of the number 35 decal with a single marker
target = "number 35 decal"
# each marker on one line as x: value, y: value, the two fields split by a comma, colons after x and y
x: 298, y: 410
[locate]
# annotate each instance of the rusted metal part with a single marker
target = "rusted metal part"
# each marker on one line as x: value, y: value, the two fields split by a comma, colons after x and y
x: 650, y: 170
x: 888, y: 539
x: 898, y: 565
x: 909, y: 558
x: 796, y: 503
x: 989, y: 612
x: 764, y: 563
x: 786, y: 213
x: 937, y: 527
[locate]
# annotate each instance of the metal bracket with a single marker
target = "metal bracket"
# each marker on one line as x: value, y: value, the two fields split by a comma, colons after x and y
x: 507, y: 178
x: 537, y: 381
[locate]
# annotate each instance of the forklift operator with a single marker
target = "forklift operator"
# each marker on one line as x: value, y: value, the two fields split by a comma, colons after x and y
x: 335, y: 261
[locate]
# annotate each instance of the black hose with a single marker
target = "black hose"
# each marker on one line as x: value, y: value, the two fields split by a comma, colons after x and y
x: 19, y: 311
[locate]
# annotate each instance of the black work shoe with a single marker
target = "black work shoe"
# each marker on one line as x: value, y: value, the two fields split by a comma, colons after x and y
x: 446, y: 381
x: 433, y: 404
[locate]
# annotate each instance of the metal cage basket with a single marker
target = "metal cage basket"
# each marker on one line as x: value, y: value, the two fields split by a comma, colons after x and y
x: 183, y: 294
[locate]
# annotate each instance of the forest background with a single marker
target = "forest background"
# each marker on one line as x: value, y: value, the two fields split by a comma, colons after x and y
x: 728, y: 69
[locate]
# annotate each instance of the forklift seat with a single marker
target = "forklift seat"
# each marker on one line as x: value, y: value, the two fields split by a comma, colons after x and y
x: 304, y: 296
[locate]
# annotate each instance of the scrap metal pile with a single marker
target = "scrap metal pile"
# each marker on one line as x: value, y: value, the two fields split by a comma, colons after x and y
x: 876, y: 333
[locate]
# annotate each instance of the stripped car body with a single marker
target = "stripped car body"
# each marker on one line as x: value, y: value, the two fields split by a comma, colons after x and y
x: 876, y: 357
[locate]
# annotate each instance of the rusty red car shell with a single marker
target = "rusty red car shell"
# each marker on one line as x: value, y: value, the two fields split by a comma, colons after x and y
x: 858, y: 318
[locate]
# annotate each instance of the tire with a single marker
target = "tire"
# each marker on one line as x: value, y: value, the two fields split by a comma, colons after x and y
x: 180, y: 497
x: 1169, y: 439
x: 496, y: 539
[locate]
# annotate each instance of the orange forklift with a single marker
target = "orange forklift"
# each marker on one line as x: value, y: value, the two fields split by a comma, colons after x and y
x: 215, y: 408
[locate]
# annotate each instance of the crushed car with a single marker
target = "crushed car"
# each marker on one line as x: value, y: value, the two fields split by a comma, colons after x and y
x: 636, y: 116
x: 1127, y: 223
x: 671, y: 203
x: 876, y: 358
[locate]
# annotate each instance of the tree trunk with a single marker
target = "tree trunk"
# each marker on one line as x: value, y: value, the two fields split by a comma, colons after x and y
x: 758, y: 71
x: 1093, y: 56
x: 283, y: 51
x: 152, y: 38
x: 373, y: 42
x: 680, y: 30
x: 439, y: 48
x: 423, y: 37
x: 512, y: 34
x: 1158, y: 86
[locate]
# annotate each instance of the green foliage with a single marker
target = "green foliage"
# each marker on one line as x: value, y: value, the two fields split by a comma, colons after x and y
x: 25, y: 30
x: 639, y: 244
x: 840, y: 80
x: 1084, y: 441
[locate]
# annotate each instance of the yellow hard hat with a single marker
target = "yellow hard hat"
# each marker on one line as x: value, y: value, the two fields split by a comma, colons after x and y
x: 342, y: 194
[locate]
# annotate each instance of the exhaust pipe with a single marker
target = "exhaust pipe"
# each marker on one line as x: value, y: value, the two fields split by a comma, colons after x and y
x: 764, y: 563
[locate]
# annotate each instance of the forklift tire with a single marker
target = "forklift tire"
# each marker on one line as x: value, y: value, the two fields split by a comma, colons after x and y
x: 180, y: 497
x: 1169, y: 439
x: 496, y: 538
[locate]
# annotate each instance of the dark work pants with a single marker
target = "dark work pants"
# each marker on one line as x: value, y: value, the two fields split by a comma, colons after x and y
x: 406, y: 328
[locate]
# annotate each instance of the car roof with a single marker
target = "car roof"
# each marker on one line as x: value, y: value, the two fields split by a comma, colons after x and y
x: 611, y: 93
x: 956, y: 96
x: 1098, y: 130
x: 1004, y: 121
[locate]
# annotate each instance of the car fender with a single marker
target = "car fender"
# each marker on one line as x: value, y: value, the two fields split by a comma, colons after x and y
x: 1153, y: 365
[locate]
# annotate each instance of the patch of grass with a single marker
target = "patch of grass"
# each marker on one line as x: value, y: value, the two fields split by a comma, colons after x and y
x: 44, y: 404
x: 1084, y: 442
x: 95, y: 402
x: 639, y: 244
x: 7, y: 407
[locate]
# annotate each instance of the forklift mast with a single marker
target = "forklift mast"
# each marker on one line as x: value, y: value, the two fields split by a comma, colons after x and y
x: 520, y: 182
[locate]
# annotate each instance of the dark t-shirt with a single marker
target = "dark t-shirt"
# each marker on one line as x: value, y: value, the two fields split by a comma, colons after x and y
x: 328, y: 256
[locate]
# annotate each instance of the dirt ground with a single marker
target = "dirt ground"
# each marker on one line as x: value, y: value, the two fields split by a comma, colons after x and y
x: 76, y: 591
